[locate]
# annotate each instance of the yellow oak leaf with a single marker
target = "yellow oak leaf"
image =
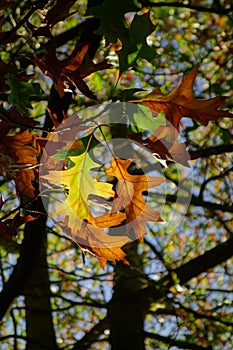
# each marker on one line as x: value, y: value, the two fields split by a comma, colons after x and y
x: 80, y: 185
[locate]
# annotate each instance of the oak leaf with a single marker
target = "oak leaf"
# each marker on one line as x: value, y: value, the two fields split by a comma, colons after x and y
x: 93, y: 239
x: 80, y: 185
x: 20, y: 92
x: 75, y: 217
x: 5, y: 69
x: 180, y: 102
x: 162, y: 148
x: 59, y: 12
x: 13, y: 116
x: 71, y: 71
x: 19, y: 159
x: 9, y: 227
x: 129, y: 196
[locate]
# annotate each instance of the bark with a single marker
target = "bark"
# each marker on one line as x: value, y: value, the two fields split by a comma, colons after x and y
x: 207, y: 152
x: 39, y: 322
x: 30, y: 273
x: 16, y: 282
x: 126, y: 310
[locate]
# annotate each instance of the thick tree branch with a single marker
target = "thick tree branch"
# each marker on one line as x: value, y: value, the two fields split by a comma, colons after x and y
x: 206, y: 152
x: 200, y: 203
x: 92, y: 336
x: 173, y: 342
x: 208, y: 260
x: 214, y: 9
x: 191, y: 269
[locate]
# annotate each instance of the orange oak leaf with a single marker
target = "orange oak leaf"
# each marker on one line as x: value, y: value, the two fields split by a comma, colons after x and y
x: 102, y: 245
x: 64, y: 138
x: 92, y: 237
x: 129, y: 196
x: 180, y: 102
x: 71, y: 71
x: 19, y: 159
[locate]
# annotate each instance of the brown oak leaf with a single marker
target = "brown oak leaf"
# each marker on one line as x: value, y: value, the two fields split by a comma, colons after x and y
x: 13, y: 116
x: 162, y: 148
x: 71, y: 71
x: 180, y: 102
x: 9, y: 227
x: 19, y: 160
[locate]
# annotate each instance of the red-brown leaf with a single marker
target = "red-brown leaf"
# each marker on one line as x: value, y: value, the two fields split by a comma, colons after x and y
x: 180, y: 102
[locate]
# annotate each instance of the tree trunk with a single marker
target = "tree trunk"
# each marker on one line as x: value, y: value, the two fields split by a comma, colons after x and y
x: 39, y: 323
x: 127, y: 308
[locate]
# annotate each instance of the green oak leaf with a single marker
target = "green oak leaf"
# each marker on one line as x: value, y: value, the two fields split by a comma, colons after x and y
x: 111, y: 15
x: 144, y: 120
x: 134, y: 45
x: 21, y: 92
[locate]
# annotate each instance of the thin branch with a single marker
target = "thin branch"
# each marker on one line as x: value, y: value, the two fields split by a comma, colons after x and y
x: 218, y: 10
x: 36, y: 6
x: 199, y: 315
x: 213, y: 178
x: 155, y: 291
x: 75, y: 303
x: 6, y: 337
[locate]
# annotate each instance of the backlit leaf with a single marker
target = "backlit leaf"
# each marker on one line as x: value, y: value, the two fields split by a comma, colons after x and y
x: 80, y: 185
x: 180, y: 103
x: 129, y: 196
x: 71, y: 71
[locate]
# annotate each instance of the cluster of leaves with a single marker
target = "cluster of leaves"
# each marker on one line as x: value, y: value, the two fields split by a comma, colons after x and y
x: 79, y: 223
x: 21, y: 151
x: 47, y: 41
